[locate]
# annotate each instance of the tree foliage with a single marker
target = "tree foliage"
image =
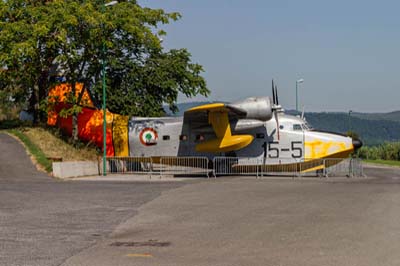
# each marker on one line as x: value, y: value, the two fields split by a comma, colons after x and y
x: 71, y: 38
x: 385, y: 151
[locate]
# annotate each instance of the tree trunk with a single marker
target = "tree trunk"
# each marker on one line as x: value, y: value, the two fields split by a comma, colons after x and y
x: 34, y: 104
x: 75, y: 128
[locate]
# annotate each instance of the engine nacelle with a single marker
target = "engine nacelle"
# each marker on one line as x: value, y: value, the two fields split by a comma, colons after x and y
x: 256, y: 108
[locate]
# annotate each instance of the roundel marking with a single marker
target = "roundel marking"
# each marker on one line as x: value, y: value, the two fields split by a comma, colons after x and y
x: 148, y: 136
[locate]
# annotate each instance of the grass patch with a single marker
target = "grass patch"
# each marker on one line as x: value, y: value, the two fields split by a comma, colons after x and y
x: 36, y: 152
x: 384, y: 162
x: 54, y: 146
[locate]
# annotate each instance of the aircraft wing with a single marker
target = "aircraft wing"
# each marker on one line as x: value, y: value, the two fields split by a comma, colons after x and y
x: 217, y: 115
x: 198, y: 116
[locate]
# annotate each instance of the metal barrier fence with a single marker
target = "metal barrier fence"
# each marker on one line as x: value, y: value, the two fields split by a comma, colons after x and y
x: 162, y: 166
x: 184, y: 166
x: 129, y: 165
x: 236, y: 166
x: 351, y: 167
x: 157, y: 166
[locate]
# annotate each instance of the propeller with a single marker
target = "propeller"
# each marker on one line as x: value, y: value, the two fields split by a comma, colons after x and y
x: 276, y: 107
x: 273, y: 92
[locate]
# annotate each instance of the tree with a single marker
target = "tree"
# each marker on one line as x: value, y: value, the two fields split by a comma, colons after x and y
x: 76, y: 36
x: 27, y: 51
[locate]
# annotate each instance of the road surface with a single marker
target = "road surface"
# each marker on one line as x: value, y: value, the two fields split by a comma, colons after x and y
x: 44, y: 221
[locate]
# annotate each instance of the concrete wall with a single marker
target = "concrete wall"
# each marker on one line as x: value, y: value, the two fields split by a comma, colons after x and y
x: 75, y: 169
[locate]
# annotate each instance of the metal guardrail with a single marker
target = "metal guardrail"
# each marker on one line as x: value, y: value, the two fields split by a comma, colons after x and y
x: 163, y: 166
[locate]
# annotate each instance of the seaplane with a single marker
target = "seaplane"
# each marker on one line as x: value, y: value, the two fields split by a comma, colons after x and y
x: 256, y: 127
x: 252, y: 132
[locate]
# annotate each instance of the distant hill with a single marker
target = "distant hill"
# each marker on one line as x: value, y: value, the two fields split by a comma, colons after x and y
x: 373, y: 128
x: 371, y: 131
x: 392, y: 116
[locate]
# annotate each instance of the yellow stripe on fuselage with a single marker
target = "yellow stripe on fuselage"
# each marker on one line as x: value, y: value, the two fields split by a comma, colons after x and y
x: 318, y: 149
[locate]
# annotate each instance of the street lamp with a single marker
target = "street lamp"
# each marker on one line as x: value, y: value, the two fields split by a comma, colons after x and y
x: 350, y: 121
x: 297, y: 84
x: 103, y: 9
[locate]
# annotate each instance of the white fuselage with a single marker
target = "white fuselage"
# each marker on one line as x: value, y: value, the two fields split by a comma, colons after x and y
x: 294, y: 141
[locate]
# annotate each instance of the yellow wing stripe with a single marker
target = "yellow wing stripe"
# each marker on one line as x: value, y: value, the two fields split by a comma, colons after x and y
x: 209, y: 107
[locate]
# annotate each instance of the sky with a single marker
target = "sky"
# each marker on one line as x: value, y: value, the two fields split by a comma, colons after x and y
x: 347, y: 52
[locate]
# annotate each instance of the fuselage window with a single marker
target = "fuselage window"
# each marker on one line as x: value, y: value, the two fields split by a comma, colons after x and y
x: 281, y: 127
x: 199, y: 137
x: 183, y: 137
x: 165, y: 137
x: 260, y: 135
x: 297, y: 127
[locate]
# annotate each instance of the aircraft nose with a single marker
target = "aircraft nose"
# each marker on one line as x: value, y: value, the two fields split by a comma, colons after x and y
x: 357, y: 144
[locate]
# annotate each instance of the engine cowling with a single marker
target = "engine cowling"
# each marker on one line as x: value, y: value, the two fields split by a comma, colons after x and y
x: 256, y: 108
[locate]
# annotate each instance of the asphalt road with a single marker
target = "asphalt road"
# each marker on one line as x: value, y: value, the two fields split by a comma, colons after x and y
x: 277, y: 222
x: 44, y: 221
x: 227, y: 221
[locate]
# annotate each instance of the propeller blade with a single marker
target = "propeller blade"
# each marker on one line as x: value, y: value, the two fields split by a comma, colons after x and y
x: 277, y: 124
x: 276, y: 95
x: 273, y: 93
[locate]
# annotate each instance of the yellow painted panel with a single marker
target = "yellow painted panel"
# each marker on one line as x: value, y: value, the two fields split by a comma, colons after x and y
x: 220, y: 124
x: 313, y: 169
x: 226, y: 144
x: 319, y: 149
x: 120, y: 135
x: 208, y: 107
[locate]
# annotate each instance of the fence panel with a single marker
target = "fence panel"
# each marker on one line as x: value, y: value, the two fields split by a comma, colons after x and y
x: 351, y: 167
x: 171, y: 165
x: 236, y: 166
x: 291, y: 168
x: 129, y: 165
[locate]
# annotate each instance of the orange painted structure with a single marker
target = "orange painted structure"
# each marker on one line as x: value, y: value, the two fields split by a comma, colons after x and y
x: 90, y: 121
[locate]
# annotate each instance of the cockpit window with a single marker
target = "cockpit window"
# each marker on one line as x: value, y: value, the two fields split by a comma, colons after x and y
x: 297, y: 127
